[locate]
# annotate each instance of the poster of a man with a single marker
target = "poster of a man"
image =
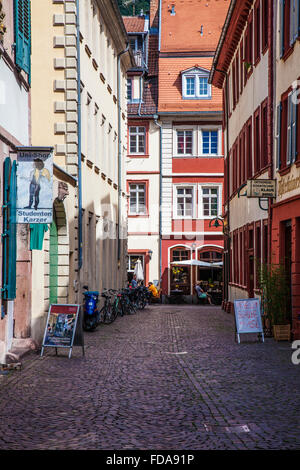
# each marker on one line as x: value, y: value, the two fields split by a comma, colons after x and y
x: 34, y: 185
x: 36, y: 176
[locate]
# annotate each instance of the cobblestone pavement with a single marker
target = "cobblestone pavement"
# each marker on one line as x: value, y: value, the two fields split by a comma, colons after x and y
x: 169, y: 377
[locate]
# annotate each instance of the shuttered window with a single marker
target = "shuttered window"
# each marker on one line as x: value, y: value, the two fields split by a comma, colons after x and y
x: 9, y: 236
x: 22, y: 34
x: 278, y: 142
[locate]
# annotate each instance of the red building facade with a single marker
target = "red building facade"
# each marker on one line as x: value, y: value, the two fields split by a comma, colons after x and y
x: 192, y: 147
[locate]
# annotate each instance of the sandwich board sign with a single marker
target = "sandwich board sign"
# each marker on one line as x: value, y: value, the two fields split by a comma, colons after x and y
x: 63, y: 321
x: 248, y: 317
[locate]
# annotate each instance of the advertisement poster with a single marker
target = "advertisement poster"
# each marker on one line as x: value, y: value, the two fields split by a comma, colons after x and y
x: 34, y: 185
x: 248, y: 316
x: 61, y: 326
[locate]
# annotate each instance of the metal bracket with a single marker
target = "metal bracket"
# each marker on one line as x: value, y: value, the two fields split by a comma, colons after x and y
x: 240, y: 188
x: 259, y: 203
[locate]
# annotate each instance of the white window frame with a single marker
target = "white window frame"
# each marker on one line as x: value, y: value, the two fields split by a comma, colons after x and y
x: 135, y: 255
x: 137, y: 145
x: 218, y: 186
x: 208, y: 129
x: 196, y: 74
x: 194, y: 144
x: 137, y: 198
x: 194, y: 201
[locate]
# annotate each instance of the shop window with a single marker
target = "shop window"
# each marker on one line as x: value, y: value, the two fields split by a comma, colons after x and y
x: 180, y: 275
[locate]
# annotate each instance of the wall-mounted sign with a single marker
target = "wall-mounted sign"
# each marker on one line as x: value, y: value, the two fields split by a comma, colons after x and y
x: 261, y: 188
x: 248, y: 317
x: 34, y: 185
x: 61, y: 326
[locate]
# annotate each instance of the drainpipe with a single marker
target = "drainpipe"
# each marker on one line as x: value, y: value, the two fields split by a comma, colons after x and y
x: 79, y: 140
x: 227, y: 253
x: 160, y: 195
x: 119, y: 151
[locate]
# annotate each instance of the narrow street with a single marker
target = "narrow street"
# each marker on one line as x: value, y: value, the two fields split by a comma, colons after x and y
x: 169, y: 377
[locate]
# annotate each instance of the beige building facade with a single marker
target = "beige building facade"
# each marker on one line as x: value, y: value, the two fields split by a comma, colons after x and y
x: 79, y: 63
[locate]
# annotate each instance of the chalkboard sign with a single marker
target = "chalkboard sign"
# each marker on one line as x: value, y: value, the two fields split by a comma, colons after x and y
x: 61, y: 328
x: 248, y: 317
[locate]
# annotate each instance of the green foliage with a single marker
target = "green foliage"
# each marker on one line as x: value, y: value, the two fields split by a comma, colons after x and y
x: 275, y: 292
x: 138, y: 5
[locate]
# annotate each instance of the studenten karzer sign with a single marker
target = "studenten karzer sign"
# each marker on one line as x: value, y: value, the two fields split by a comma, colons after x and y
x: 34, y: 185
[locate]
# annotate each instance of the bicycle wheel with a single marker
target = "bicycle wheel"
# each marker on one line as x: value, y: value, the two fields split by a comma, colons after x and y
x: 108, y: 315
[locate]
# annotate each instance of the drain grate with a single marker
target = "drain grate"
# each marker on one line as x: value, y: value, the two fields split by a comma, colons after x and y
x: 237, y: 429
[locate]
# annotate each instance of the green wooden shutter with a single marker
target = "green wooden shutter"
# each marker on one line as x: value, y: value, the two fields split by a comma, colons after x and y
x: 9, y: 236
x: 53, y: 268
x: 23, y: 34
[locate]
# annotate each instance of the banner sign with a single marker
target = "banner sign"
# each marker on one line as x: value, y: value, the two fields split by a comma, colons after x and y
x: 61, y: 327
x: 261, y: 188
x: 248, y: 317
x: 34, y: 185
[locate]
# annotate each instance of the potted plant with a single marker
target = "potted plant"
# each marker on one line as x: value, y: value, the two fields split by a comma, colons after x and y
x: 275, y: 294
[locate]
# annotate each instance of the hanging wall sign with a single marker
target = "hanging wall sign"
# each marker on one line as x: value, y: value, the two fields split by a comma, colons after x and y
x: 34, y: 185
x: 248, y: 317
x: 61, y: 326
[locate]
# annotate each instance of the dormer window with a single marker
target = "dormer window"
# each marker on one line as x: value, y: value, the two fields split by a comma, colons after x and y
x: 195, y: 84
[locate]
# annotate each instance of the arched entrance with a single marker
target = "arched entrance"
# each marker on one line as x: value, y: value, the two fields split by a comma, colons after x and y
x: 211, y: 276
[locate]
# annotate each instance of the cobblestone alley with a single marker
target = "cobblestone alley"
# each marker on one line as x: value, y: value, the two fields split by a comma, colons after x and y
x: 169, y: 377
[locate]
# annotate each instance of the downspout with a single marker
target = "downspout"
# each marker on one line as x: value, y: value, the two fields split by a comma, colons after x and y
x: 227, y: 253
x: 119, y: 150
x: 160, y: 196
x: 79, y: 139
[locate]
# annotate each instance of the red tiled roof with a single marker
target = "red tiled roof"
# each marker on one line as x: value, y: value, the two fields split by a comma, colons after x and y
x: 182, y: 31
x: 149, y: 103
x: 134, y: 24
x: 170, y: 86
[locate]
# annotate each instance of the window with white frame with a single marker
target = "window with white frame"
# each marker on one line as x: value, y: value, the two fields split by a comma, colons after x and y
x: 210, y: 201
x: 210, y: 142
x: 195, y: 84
x: 184, y: 201
x: 132, y: 260
x: 137, y: 139
x: 129, y: 89
x: 184, y: 142
x: 137, y: 199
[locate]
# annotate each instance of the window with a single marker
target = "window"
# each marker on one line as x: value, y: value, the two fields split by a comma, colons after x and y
x: 288, y: 24
x: 132, y: 260
x: 190, y: 86
x: 210, y: 142
x: 137, y: 199
x: 264, y: 133
x: 137, y: 140
x: 265, y: 22
x: 257, y: 163
x: 203, y: 86
x: 184, y: 201
x: 184, y: 142
x: 22, y: 34
x: 257, y: 32
x: 181, y: 255
x: 210, y: 201
x: 195, y: 84
x: 292, y: 128
x: 129, y: 89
